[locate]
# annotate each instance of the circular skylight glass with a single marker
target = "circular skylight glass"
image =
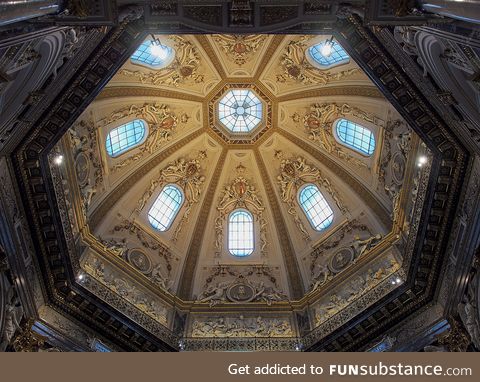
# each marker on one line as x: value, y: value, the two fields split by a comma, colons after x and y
x: 240, y: 110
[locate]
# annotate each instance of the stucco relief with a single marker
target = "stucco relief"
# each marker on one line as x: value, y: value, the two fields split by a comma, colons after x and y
x: 340, y: 251
x: 240, y: 193
x: 122, y: 286
x: 186, y: 67
x: 88, y: 163
x: 294, y: 172
x: 147, y: 255
x: 187, y: 174
x: 162, y: 124
x: 241, y: 327
x: 318, y: 125
x: 240, y: 48
x: 241, y: 284
x: 357, y: 286
x: 297, y: 68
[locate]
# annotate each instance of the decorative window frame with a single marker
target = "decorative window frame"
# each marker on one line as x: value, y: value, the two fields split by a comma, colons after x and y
x: 363, y: 124
x: 166, y: 63
x: 108, y: 129
x: 301, y: 188
x: 152, y: 201
x: 311, y: 60
x: 253, y: 233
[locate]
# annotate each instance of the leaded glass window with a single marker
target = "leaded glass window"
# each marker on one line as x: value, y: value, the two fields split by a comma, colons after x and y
x: 165, y: 208
x: 157, y: 56
x: 328, y: 53
x: 125, y: 137
x: 240, y: 233
x: 355, y: 136
x: 315, y: 207
x: 240, y: 110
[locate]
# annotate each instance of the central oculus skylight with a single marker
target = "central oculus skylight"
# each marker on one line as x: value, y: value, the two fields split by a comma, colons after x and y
x: 240, y: 110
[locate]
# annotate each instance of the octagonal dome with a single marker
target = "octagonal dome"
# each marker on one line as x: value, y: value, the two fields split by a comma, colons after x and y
x: 240, y: 110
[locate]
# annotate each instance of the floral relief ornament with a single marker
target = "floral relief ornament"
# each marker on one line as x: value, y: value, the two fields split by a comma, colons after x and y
x: 187, y: 175
x: 295, y: 172
x: 297, y: 68
x: 184, y: 67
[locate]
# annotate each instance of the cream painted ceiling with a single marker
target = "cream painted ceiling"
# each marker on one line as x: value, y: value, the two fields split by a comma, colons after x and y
x: 111, y: 196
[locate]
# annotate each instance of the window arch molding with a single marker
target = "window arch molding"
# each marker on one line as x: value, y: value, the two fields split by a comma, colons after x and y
x: 315, y: 57
x: 165, y: 207
x: 315, y: 207
x: 240, y: 233
x: 125, y: 137
x: 143, y: 56
x: 355, y: 135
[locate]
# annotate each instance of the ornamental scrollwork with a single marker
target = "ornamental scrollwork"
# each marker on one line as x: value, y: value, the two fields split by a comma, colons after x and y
x: 297, y: 68
x: 88, y: 163
x: 184, y: 67
x: 318, y: 124
x: 240, y: 194
x: 162, y: 123
x: 187, y: 174
x: 229, y: 284
x: 295, y: 172
x: 240, y: 48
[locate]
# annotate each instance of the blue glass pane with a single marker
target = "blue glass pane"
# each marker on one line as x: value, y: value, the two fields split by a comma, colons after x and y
x: 337, y: 55
x: 356, y: 136
x: 316, y: 207
x: 165, y: 208
x: 240, y: 110
x: 240, y: 233
x: 152, y: 54
x: 124, y: 137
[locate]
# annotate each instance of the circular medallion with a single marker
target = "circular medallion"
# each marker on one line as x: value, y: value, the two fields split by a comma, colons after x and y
x: 168, y: 123
x: 140, y: 261
x: 398, y: 167
x: 82, y: 167
x: 341, y: 259
x: 240, y: 293
x: 312, y: 123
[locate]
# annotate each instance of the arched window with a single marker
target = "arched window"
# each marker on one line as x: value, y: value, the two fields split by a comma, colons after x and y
x: 315, y: 207
x: 156, y: 56
x: 240, y: 233
x: 328, y: 53
x: 355, y: 136
x: 163, y: 211
x: 125, y: 137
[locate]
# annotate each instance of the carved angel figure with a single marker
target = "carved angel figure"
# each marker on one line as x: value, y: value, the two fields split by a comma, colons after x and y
x: 362, y: 246
x: 13, y: 315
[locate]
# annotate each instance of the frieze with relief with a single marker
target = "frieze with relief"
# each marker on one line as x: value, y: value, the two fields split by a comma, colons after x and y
x: 240, y: 193
x: 241, y: 327
x: 184, y: 68
x: 187, y: 174
x: 296, y: 67
x: 162, y: 124
x: 357, y: 286
x: 295, y: 172
x: 123, y: 287
x: 241, y: 284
